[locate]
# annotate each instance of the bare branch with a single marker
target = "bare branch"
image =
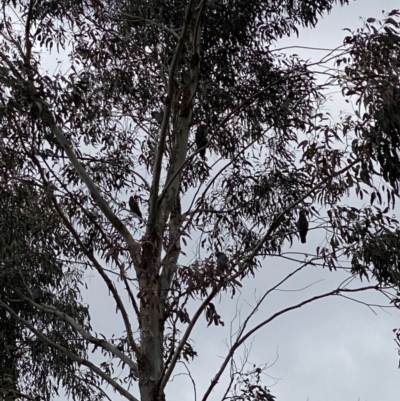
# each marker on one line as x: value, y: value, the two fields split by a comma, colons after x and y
x: 240, y: 341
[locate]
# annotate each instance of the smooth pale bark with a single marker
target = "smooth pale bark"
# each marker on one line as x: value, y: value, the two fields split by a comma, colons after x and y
x: 152, y: 282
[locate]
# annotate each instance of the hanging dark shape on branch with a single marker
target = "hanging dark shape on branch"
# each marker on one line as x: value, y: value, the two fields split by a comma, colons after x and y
x: 158, y: 116
x: 37, y: 295
x: 302, y: 225
x: 222, y: 262
x: 134, y: 206
x: 201, y: 140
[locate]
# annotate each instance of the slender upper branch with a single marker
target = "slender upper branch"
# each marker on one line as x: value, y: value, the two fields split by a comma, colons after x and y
x: 260, y: 301
x: 167, y: 112
x: 246, y: 102
x: 241, y: 340
x: 137, y: 19
x: 295, y: 203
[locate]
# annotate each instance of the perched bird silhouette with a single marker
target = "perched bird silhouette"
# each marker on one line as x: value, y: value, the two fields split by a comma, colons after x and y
x: 37, y: 294
x: 222, y: 262
x: 158, y: 116
x: 201, y: 139
x: 134, y: 206
x: 302, y: 225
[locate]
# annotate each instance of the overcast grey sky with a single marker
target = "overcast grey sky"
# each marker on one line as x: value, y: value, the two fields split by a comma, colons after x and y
x: 331, y: 350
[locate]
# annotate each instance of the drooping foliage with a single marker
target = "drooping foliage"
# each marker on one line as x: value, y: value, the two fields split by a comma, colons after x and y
x: 34, y: 253
x: 118, y: 117
x: 371, y: 73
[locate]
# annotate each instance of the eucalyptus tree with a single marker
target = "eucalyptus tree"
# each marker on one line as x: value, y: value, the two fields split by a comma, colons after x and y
x: 118, y: 118
x: 36, y: 269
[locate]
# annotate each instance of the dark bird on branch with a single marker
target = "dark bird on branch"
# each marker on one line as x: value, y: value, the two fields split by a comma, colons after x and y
x: 134, y: 206
x: 222, y: 262
x: 158, y: 116
x: 201, y: 139
x: 37, y: 295
x: 302, y: 225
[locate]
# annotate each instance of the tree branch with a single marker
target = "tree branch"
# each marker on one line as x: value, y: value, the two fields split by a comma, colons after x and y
x: 91, y: 257
x: 70, y: 354
x: 112, y: 218
x: 292, y: 205
x: 85, y: 334
x: 239, y: 342
x: 153, y: 209
x: 184, y: 339
x: 47, y: 118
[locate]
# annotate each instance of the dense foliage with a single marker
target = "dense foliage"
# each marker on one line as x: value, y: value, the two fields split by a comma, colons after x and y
x: 118, y: 117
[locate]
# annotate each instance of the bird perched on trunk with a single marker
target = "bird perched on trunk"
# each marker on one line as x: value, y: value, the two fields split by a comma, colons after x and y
x: 222, y: 262
x: 201, y: 139
x: 158, y: 116
x: 37, y: 295
x: 302, y: 225
x: 134, y: 206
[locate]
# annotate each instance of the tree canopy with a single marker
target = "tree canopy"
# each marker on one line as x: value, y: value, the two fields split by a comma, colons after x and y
x: 221, y: 140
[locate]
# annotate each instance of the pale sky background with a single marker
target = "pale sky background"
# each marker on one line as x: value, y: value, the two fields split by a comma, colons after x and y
x: 330, y: 350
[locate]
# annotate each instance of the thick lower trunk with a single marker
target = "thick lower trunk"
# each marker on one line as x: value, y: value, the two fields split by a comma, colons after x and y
x: 8, y: 373
x: 151, y: 359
